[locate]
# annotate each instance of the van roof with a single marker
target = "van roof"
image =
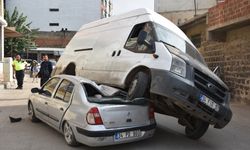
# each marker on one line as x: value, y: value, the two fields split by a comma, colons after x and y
x: 139, y: 12
x: 133, y: 13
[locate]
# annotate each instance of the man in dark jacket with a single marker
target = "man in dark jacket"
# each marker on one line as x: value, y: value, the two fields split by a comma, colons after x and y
x: 45, y: 70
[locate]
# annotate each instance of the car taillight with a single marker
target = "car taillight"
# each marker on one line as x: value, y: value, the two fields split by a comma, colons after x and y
x: 94, y: 117
x: 151, y: 112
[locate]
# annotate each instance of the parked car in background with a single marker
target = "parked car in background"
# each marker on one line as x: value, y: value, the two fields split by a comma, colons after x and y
x: 90, y: 114
x: 147, y: 55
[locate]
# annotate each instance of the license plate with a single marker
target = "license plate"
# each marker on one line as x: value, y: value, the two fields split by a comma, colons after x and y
x: 127, y: 134
x: 205, y: 100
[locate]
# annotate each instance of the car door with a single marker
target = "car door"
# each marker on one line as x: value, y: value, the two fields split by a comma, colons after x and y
x: 43, y: 99
x: 132, y: 52
x: 60, y: 102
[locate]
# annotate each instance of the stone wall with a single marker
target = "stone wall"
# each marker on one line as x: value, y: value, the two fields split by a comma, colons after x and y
x: 233, y: 57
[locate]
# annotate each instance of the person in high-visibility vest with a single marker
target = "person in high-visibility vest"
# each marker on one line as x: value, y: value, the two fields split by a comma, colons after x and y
x: 18, y: 67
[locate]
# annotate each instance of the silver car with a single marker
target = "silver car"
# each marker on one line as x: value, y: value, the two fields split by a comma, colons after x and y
x: 90, y: 114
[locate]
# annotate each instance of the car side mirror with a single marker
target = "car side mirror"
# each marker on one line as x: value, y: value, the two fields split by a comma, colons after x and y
x: 35, y: 90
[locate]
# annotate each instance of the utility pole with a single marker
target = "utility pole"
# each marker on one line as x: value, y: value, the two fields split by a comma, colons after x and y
x: 195, y: 8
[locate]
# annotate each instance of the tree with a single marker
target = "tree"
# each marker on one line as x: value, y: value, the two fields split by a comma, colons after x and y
x: 20, y: 44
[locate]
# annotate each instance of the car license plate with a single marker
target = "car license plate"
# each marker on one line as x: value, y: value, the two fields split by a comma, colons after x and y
x: 127, y: 134
x: 205, y: 100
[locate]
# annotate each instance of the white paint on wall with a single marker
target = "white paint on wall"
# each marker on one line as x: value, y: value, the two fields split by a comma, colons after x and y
x: 72, y: 14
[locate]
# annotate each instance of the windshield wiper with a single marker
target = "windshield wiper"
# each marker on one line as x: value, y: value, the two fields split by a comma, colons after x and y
x: 169, y: 44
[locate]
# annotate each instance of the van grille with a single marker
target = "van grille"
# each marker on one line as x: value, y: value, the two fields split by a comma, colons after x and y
x: 209, y: 86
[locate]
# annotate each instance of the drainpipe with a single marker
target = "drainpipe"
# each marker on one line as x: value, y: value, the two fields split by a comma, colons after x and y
x: 195, y: 8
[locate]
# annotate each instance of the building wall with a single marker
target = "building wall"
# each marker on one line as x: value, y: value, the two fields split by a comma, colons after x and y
x: 228, y: 12
x: 233, y: 56
x: 182, y: 5
x: 179, y: 17
x: 54, y: 39
x: 179, y: 11
x: 72, y: 14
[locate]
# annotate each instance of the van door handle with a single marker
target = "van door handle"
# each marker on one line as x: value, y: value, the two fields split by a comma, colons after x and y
x: 113, y: 54
x: 119, y: 52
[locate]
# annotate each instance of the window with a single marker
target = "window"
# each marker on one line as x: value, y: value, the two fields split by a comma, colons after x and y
x: 91, y: 91
x: 49, y: 87
x: 170, y: 38
x: 53, y: 24
x: 142, y: 38
x: 64, y: 91
x: 54, y: 9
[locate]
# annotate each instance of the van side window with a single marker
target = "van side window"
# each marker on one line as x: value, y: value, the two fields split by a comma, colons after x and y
x: 142, y: 38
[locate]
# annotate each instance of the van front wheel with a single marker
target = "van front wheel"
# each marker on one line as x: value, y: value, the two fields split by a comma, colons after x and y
x: 138, y: 85
x: 199, y: 129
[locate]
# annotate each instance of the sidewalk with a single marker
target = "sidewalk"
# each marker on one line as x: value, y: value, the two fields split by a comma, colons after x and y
x: 12, y: 96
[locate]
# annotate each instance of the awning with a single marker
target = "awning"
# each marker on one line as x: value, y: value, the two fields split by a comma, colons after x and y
x: 10, y: 32
x: 47, y: 49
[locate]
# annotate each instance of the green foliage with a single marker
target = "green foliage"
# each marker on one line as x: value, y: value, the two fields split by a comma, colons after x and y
x: 18, y: 44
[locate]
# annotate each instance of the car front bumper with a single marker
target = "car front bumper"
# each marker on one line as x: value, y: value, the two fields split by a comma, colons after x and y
x: 183, y: 93
x: 106, y: 137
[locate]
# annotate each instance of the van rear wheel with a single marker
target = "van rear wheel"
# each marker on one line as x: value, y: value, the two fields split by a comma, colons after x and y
x: 138, y: 85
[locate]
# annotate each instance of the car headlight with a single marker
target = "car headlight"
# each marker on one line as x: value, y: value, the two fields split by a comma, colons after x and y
x: 178, y: 66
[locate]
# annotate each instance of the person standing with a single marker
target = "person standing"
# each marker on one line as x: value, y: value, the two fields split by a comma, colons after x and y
x: 18, y: 67
x: 34, y: 70
x: 45, y: 70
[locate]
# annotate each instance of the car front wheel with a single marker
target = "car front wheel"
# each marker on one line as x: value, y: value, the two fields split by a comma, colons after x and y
x: 31, y: 112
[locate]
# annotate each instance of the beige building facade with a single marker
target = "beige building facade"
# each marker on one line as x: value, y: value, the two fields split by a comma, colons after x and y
x: 179, y: 11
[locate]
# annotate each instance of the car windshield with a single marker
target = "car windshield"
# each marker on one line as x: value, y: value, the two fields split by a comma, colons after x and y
x: 168, y: 37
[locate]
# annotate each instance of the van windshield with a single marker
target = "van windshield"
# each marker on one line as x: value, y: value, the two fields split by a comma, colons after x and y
x: 170, y: 38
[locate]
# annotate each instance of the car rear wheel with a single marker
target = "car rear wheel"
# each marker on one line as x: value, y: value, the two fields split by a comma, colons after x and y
x: 69, y: 135
x: 138, y: 85
x: 199, y: 129
x: 31, y: 112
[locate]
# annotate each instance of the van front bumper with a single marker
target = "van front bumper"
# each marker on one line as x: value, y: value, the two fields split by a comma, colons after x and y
x: 183, y: 93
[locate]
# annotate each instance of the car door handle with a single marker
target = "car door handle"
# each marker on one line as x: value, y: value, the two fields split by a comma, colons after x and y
x: 46, y: 103
x: 119, y: 53
x: 61, y: 109
x: 113, y: 54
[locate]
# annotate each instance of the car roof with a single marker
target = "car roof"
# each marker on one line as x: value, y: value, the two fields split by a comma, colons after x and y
x: 75, y: 79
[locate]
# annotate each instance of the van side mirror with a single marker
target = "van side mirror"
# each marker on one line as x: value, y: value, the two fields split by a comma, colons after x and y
x: 35, y: 90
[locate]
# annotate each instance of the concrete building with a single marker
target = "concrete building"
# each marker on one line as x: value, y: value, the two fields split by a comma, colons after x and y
x: 223, y: 36
x: 53, y: 15
x: 122, y: 6
x: 179, y: 11
x: 106, y: 8
x: 57, y: 21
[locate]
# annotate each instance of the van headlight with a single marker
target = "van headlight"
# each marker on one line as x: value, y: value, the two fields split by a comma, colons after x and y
x: 178, y: 66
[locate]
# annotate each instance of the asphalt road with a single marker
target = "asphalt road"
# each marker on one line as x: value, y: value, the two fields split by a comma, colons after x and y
x: 26, y: 135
